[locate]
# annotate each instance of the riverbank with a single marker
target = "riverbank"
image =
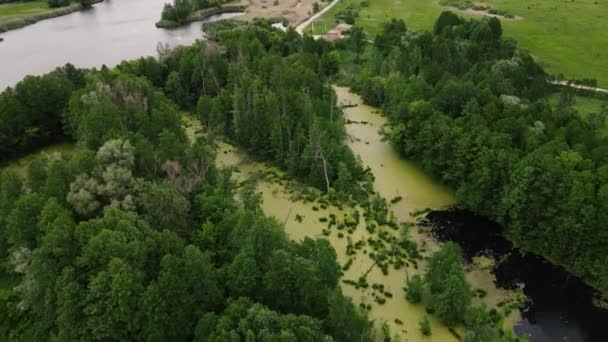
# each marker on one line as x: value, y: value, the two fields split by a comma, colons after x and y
x: 306, y: 213
x: 107, y: 34
x: 17, y: 22
x: 202, y: 15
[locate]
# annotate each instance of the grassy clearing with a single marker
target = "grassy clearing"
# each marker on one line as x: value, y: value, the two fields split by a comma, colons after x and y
x: 20, y: 165
x: 584, y: 105
x: 566, y: 37
x: 24, y: 8
x: 17, y: 15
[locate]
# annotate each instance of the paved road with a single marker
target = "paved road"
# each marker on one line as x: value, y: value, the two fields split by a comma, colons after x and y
x: 300, y: 28
x: 578, y: 86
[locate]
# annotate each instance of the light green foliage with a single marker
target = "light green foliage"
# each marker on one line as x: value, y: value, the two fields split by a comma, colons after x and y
x: 110, y: 306
x: 248, y: 321
x: 449, y: 292
x: 17, y: 9
x: 111, y: 183
x: 415, y: 289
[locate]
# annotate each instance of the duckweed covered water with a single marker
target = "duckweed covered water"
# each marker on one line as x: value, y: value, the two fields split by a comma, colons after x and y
x: 395, y: 178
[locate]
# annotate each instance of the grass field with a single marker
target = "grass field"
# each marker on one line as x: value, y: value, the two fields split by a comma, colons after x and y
x: 565, y: 36
x: 24, y: 8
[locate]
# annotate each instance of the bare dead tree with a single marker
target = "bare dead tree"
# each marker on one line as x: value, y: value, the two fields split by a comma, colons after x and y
x: 318, y: 153
x: 199, y: 168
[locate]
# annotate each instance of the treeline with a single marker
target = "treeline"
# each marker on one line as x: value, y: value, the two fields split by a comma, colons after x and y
x: 31, y: 112
x: 63, y: 3
x: 180, y: 10
x: 267, y: 92
x: 470, y: 107
x: 263, y: 89
x: 140, y: 237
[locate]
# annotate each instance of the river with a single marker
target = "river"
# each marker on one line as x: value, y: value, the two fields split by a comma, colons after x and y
x: 394, y: 177
x: 107, y: 33
x: 559, y: 308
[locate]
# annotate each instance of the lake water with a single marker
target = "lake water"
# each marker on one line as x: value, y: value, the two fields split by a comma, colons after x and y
x: 107, y: 33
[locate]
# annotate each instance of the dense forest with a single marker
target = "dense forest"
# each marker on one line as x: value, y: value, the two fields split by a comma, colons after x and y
x: 472, y: 109
x: 138, y: 236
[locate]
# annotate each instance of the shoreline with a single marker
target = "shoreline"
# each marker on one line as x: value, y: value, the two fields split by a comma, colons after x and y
x: 202, y: 15
x: 20, y: 22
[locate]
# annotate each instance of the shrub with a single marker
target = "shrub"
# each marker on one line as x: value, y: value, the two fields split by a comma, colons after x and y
x: 425, y: 327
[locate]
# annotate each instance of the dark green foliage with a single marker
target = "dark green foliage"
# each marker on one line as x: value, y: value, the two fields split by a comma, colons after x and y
x: 159, y: 271
x: 445, y: 21
x: 164, y: 207
x: 390, y: 36
x: 425, y: 326
x: 112, y: 104
x: 450, y: 294
x: 178, y: 12
x: 470, y: 108
x: 139, y: 237
x: 31, y: 112
x: 58, y: 3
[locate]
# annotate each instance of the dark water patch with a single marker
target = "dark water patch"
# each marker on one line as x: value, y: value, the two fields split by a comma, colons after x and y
x: 560, y: 305
x: 476, y: 235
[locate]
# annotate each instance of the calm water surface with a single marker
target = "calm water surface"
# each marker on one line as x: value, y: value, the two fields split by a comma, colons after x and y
x: 108, y: 33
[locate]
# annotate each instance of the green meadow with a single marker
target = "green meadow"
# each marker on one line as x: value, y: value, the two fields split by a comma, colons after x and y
x: 19, y: 9
x: 566, y: 37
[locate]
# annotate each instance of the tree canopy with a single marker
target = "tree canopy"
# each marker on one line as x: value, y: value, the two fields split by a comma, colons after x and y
x: 138, y: 235
x: 473, y: 110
